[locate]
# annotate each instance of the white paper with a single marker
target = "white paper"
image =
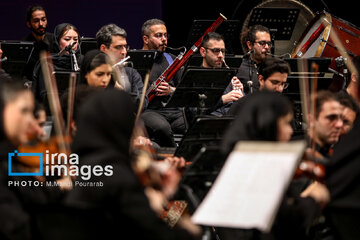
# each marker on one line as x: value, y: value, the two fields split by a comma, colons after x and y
x: 250, y: 187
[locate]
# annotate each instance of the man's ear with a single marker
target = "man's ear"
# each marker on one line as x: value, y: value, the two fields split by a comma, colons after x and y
x: 145, y: 39
x: 261, y: 81
x: 202, y: 51
x: 249, y: 45
x: 28, y: 24
x: 103, y: 48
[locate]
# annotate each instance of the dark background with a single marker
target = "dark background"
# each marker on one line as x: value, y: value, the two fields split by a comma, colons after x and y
x: 89, y: 15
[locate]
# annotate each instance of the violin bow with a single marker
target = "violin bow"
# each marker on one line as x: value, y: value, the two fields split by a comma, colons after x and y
x: 71, y: 100
x: 53, y: 98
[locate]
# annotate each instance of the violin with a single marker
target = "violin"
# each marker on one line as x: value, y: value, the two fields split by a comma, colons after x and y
x: 312, y: 166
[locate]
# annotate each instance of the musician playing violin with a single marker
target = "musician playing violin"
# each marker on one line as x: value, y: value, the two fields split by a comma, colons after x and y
x: 18, y: 203
x: 326, y: 124
x: 161, y: 123
x: 267, y: 116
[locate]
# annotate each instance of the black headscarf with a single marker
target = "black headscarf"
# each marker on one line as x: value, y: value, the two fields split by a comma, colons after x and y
x: 256, y: 119
x: 64, y: 62
x: 105, y: 126
x: 87, y: 62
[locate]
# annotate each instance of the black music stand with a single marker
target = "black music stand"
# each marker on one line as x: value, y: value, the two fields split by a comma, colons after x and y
x: 201, y: 88
x: 233, y: 61
x: 62, y: 80
x: 297, y: 63
x: 87, y: 44
x: 18, y: 54
x: 229, y: 29
x: 200, y: 175
x: 280, y: 21
x: 142, y: 60
x: 204, y: 131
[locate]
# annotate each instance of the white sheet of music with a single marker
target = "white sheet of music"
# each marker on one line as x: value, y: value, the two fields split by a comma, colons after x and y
x: 251, y: 185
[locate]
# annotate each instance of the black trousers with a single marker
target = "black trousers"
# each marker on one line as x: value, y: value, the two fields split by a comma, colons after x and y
x: 161, y: 125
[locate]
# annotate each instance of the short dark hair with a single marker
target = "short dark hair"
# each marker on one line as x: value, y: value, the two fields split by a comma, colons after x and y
x: 105, y: 33
x: 256, y: 119
x: 322, y: 97
x: 149, y: 23
x: 31, y: 9
x: 211, y: 36
x: 272, y: 65
x: 250, y: 35
x: 348, y: 101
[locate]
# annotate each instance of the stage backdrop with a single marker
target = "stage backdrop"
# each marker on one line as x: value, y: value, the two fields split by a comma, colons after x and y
x: 87, y: 15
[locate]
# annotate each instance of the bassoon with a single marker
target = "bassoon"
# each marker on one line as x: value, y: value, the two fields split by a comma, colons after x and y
x: 180, y: 60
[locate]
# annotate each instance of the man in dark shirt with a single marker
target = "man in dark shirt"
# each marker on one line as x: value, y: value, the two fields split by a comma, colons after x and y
x: 256, y: 44
x: 36, y: 21
x: 161, y: 122
x: 213, y: 52
x: 111, y: 39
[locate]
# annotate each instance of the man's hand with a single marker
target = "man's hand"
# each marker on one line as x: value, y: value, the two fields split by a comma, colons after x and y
x: 164, y: 89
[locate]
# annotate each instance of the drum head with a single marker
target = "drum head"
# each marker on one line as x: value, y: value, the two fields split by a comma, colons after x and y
x: 304, y: 18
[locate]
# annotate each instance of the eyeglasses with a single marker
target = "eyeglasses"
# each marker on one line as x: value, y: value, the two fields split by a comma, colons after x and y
x: 263, y: 43
x: 217, y: 50
x: 161, y: 35
x: 120, y: 47
x: 284, y: 85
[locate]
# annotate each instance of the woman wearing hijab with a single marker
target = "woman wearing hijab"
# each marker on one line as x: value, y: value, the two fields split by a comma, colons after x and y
x: 96, y: 69
x: 66, y: 46
x: 103, y: 139
x: 18, y: 203
x: 267, y: 116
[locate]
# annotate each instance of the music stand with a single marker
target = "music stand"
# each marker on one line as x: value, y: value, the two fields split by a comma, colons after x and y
x: 323, y: 64
x: 229, y: 29
x: 280, y: 21
x: 18, y: 54
x: 233, y: 61
x: 142, y: 60
x: 200, y: 175
x: 87, y: 44
x: 201, y: 88
x: 204, y: 131
x: 62, y: 80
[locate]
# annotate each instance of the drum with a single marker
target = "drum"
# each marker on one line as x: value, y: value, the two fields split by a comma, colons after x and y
x: 316, y: 41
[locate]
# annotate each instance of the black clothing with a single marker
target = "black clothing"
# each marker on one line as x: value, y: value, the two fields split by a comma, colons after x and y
x: 255, y: 119
x: 159, y: 66
x: 342, y: 180
x: 247, y: 71
x: 60, y: 63
x: 19, y: 205
x: 162, y: 122
x: 45, y: 45
x: 103, y: 138
x: 136, y: 86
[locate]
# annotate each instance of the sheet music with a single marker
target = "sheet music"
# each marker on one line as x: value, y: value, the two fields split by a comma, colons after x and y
x: 250, y: 187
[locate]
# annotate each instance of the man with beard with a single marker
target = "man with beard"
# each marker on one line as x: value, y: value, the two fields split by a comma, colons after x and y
x: 256, y: 44
x: 161, y: 122
x: 36, y: 21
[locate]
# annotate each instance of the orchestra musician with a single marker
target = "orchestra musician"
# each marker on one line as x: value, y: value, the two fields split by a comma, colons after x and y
x: 111, y: 39
x: 18, y: 205
x: 213, y: 52
x: 161, y: 123
x: 272, y: 76
x: 267, y: 116
x: 326, y: 123
x: 256, y: 44
x: 66, y: 58
x: 343, y: 174
x: 122, y: 201
x: 36, y: 21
